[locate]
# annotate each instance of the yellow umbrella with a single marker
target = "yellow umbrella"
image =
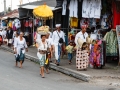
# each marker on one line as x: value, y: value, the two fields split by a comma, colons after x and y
x: 43, y: 11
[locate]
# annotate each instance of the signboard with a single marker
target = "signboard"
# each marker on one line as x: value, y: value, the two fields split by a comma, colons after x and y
x: 118, y: 37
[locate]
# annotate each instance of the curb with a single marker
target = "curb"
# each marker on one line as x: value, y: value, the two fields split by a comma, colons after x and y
x: 61, y: 69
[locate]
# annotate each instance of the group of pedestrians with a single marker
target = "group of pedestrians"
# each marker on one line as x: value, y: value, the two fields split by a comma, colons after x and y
x: 48, y: 45
x: 15, y: 40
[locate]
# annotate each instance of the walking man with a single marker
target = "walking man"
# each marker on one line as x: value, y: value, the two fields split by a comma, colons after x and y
x: 9, y: 36
x: 58, y: 41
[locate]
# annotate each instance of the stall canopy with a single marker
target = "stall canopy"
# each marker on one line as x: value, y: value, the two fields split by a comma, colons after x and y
x: 26, y: 10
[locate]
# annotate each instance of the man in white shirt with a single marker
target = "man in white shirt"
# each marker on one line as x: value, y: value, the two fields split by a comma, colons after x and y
x: 1, y: 32
x: 58, y: 39
x: 82, y: 35
x: 4, y: 34
x: 50, y: 43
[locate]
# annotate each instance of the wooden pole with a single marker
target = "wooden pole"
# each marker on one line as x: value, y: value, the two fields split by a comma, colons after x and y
x: 11, y: 4
x: 4, y: 7
x: 33, y: 29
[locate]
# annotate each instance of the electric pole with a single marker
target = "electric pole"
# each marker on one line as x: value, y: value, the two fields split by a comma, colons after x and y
x: 11, y: 4
x: 21, y: 2
x: 4, y: 7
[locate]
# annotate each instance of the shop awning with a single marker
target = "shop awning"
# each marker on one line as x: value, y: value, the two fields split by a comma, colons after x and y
x: 34, y: 6
x: 3, y: 18
x: 15, y: 15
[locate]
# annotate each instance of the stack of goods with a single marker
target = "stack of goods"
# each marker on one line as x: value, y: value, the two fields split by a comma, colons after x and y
x: 43, y: 30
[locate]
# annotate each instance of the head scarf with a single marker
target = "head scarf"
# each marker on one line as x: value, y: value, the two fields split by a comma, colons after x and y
x: 58, y: 25
x: 84, y: 26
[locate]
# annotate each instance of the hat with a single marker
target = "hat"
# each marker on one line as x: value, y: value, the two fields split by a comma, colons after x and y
x: 58, y: 25
x: 84, y: 26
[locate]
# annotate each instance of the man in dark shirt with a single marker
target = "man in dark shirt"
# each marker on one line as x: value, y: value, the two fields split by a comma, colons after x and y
x: 9, y: 36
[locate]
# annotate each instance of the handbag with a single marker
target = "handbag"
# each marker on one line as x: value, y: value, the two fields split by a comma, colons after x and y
x: 60, y: 40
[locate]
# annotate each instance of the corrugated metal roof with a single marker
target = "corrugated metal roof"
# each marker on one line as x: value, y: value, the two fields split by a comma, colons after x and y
x: 51, y: 3
x: 12, y: 14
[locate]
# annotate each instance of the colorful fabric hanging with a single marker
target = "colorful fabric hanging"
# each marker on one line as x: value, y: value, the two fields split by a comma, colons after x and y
x: 111, y: 44
x: 74, y: 22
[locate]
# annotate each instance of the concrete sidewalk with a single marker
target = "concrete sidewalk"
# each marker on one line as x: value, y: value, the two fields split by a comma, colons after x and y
x: 110, y: 70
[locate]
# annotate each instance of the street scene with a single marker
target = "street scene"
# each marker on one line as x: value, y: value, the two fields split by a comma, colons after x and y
x: 60, y: 44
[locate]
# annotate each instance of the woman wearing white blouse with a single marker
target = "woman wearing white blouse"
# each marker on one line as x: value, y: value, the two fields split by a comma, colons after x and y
x: 20, y: 48
x: 82, y: 54
x: 42, y: 47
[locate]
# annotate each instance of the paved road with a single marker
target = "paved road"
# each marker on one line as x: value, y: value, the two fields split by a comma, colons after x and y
x: 28, y: 78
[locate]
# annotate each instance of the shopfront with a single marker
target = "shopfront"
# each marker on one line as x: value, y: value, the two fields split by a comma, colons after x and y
x: 101, y: 16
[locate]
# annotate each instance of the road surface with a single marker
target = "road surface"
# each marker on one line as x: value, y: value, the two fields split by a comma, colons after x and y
x: 28, y: 78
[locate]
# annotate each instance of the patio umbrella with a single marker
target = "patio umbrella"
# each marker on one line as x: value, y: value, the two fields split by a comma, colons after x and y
x: 43, y: 12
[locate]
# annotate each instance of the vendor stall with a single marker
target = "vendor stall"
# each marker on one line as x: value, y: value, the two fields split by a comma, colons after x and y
x: 102, y: 17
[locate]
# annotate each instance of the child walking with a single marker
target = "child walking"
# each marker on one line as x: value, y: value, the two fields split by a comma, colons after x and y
x: 69, y: 50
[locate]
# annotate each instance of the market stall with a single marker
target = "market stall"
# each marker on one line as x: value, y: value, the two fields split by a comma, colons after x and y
x: 101, y: 16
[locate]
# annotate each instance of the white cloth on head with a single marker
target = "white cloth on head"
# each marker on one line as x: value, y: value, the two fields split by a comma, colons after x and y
x: 64, y: 7
x: 58, y: 25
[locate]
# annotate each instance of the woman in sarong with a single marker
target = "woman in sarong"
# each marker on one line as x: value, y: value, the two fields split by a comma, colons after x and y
x: 42, y: 46
x: 82, y: 53
x: 20, y: 48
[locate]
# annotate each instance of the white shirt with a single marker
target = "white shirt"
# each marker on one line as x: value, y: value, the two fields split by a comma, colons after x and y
x: 14, y: 34
x: 1, y: 33
x: 50, y: 35
x: 38, y: 36
x: 4, y: 34
x: 81, y: 36
x: 20, y: 44
x: 41, y: 45
x: 56, y: 36
x: 50, y: 42
x: 15, y: 39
